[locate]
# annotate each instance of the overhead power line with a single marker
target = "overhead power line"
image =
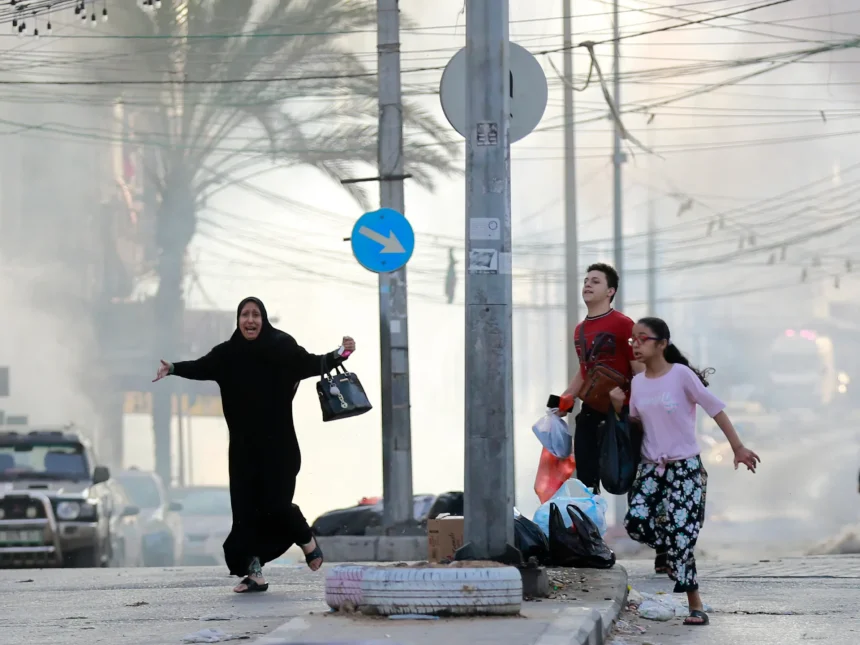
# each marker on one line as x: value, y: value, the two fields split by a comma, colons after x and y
x: 323, y: 77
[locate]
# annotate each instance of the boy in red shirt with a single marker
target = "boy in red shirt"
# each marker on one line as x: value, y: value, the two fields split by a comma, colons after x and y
x: 603, y: 338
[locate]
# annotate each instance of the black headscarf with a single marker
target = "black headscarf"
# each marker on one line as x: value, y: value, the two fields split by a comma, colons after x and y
x: 249, y: 354
x: 267, y: 334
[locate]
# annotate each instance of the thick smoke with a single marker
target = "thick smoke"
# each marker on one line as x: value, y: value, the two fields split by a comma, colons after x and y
x: 44, y: 345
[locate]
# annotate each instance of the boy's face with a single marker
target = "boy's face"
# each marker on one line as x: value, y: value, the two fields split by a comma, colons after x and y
x: 595, y: 288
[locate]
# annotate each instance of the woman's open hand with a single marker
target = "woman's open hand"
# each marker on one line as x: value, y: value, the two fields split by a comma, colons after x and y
x: 163, y: 370
x: 747, y: 457
x: 348, y: 344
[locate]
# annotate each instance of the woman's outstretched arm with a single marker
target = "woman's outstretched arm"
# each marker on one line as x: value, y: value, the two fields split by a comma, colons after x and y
x: 205, y: 368
x: 301, y: 363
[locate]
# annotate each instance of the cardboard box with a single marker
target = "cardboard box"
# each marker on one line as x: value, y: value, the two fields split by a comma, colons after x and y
x: 444, y: 537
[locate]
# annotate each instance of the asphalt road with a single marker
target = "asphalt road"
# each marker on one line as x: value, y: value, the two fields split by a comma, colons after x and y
x: 146, y: 606
x: 772, y: 603
x: 805, y: 491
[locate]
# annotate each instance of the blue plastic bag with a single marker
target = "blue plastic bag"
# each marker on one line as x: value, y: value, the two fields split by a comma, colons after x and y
x: 574, y: 492
x: 554, y: 435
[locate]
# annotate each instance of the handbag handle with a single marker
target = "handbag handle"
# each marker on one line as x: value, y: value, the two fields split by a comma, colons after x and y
x: 324, y: 373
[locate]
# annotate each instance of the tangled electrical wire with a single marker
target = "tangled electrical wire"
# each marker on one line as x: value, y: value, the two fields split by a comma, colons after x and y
x: 24, y: 15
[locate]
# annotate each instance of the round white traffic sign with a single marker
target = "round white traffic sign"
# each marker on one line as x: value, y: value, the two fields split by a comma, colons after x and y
x: 528, y: 92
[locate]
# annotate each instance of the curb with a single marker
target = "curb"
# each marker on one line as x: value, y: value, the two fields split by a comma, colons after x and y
x: 619, y: 600
x: 588, y: 626
x: 373, y: 548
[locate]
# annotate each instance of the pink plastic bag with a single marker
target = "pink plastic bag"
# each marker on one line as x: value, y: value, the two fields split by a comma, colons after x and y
x: 552, y: 473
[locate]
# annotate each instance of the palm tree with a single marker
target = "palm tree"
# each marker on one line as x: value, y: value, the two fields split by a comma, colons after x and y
x: 243, y: 86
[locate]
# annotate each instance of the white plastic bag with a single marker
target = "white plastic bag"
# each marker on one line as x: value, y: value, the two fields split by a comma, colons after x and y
x: 576, y: 489
x: 653, y: 610
x: 207, y: 636
x: 574, y: 492
x: 551, y: 430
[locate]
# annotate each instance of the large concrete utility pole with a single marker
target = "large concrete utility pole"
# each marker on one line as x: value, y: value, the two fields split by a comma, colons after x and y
x: 617, y: 161
x: 652, y: 227
x: 618, y: 158
x: 393, y: 339
x: 571, y: 237
x: 489, y: 521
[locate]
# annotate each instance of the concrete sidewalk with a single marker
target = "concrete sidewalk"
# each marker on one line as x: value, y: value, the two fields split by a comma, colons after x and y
x: 581, y: 613
x: 162, y: 606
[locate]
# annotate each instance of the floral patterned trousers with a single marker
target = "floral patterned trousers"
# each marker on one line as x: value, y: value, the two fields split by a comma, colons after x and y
x: 667, y: 510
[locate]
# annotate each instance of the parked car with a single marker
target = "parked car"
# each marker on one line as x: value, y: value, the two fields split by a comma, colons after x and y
x: 161, y: 523
x: 367, y: 514
x: 126, y: 528
x: 207, y: 517
x: 55, y: 505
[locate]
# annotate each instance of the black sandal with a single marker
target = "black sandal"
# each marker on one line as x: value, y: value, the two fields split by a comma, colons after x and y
x: 697, y: 613
x: 316, y: 554
x: 661, y: 564
x: 252, y: 586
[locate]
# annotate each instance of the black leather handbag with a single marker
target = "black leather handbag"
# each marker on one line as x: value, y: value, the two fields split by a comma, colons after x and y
x: 341, y: 394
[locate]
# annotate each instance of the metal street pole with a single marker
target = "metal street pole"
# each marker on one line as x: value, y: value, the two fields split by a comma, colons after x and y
x: 393, y: 340
x: 190, y: 431
x: 617, y: 161
x: 572, y: 290
x: 549, y: 350
x: 489, y: 493
x: 652, y: 230
x: 180, y: 430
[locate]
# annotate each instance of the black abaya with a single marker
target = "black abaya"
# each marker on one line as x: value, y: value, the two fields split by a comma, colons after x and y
x: 258, y: 379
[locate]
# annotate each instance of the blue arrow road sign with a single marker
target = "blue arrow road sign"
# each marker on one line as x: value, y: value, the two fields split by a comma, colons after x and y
x: 383, y: 240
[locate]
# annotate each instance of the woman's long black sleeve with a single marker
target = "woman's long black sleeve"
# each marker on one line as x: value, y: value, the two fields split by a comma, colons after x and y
x: 302, y: 363
x: 205, y: 368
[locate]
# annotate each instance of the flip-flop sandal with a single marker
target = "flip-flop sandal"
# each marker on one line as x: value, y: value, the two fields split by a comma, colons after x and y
x: 251, y: 586
x: 316, y: 554
x: 696, y: 613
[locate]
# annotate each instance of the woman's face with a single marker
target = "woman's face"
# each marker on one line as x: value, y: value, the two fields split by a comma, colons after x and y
x: 645, y: 343
x: 250, y: 321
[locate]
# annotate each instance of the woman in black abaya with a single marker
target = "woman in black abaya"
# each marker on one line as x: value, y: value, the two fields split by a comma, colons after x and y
x: 258, y: 371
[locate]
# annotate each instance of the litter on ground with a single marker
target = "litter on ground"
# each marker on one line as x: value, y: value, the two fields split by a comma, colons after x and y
x: 660, y: 606
x: 207, y: 636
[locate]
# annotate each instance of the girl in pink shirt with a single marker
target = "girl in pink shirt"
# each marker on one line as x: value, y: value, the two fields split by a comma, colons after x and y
x: 667, y: 500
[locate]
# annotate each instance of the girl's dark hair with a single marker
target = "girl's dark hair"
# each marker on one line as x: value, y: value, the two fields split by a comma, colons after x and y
x: 672, y: 354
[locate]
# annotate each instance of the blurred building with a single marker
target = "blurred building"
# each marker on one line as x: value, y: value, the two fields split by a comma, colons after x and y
x: 72, y: 225
x: 54, y: 181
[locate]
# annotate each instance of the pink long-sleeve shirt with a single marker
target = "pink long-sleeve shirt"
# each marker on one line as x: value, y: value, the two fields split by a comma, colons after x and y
x: 666, y: 405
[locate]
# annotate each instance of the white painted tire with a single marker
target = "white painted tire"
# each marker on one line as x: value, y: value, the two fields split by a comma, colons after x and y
x: 343, y: 586
x: 496, y: 591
